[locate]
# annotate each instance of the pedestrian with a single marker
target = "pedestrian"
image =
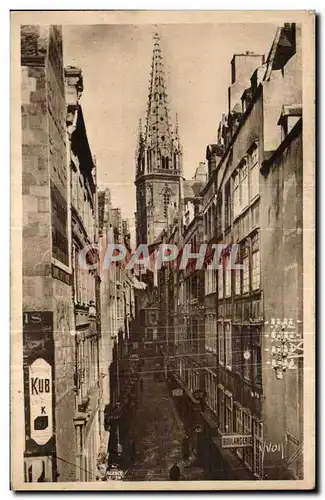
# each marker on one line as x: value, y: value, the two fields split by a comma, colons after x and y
x: 174, y: 472
x: 186, y: 448
x: 133, y: 451
x: 141, y: 384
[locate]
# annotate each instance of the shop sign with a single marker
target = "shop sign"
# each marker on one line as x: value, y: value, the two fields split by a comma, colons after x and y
x: 114, y: 475
x: 40, y: 398
x: 177, y: 392
x: 134, y: 356
x: 236, y: 441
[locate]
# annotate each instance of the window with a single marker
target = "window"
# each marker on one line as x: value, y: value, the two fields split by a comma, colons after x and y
x: 246, y: 271
x: 243, y: 186
x: 237, y: 281
x: 210, y: 332
x: 247, y: 429
x: 236, y: 195
x: 210, y: 281
x: 237, y: 355
x: 220, y: 281
x: 258, y: 448
x: 237, y: 273
x: 210, y: 380
x: 246, y: 354
x: 228, y: 413
x: 256, y: 357
x: 219, y: 215
x: 254, y: 173
x: 227, y: 205
x: 227, y: 276
x: 221, y: 409
x: 228, y: 345
x: 238, y: 424
x: 213, y: 332
x: 256, y: 264
x: 221, y: 344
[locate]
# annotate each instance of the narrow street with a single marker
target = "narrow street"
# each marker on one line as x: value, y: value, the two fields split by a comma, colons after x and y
x: 158, y: 433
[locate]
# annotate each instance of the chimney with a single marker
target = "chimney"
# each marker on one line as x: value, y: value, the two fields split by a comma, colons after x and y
x: 242, y: 67
x: 73, y: 85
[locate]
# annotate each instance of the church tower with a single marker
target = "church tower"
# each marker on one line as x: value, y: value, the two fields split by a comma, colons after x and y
x: 158, y: 160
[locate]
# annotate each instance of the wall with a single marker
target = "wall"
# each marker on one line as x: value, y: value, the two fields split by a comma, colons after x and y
x: 281, y: 257
x: 45, y: 224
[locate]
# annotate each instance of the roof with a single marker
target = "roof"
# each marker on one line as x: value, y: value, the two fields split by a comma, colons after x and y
x: 192, y: 188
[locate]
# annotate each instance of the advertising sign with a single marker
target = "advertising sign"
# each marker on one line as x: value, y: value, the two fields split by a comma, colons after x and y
x: 40, y: 401
x: 38, y: 350
x: 236, y: 441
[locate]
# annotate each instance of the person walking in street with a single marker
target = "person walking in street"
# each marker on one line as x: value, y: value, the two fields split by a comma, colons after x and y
x: 174, y: 472
x: 133, y: 451
x: 186, y: 448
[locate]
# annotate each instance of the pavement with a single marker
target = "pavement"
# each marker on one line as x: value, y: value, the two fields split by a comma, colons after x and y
x: 158, y: 433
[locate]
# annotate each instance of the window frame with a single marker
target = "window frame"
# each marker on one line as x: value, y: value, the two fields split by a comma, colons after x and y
x: 228, y: 344
x: 221, y: 343
x: 258, y: 458
x: 254, y: 171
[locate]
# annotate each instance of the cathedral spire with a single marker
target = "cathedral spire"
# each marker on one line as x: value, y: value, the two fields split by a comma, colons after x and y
x: 177, y: 139
x: 158, y: 133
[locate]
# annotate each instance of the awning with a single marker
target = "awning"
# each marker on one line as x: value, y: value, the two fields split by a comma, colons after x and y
x: 139, y: 285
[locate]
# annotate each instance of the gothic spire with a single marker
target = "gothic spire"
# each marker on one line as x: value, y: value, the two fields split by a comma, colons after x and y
x: 158, y: 132
x: 177, y: 139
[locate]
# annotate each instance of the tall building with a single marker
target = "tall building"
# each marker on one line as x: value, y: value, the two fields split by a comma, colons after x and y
x: 85, y: 281
x: 60, y: 295
x: 50, y: 443
x: 247, y: 376
x: 158, y: 186
x: 159, y: 160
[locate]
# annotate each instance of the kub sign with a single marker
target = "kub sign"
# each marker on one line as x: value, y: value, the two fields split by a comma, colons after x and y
x: 40, y: 401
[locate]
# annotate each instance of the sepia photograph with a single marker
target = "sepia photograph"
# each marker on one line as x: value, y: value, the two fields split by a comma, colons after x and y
x: 162, y: 250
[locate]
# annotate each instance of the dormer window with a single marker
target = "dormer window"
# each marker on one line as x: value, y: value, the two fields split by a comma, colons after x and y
x: 290, y: 115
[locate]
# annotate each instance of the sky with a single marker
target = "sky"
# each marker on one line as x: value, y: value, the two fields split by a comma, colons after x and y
x: 115, y: 62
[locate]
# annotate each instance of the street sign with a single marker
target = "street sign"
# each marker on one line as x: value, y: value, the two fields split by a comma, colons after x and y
x: 40, y: 397
x: 177, y: 392
x: 198, y: 428
x: 236, y: 441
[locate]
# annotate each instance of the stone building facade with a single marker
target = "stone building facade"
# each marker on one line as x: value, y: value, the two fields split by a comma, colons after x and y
x: 47, y: 267
x: 60, y: 329
x: 85, y: 281
x: 250, y: 382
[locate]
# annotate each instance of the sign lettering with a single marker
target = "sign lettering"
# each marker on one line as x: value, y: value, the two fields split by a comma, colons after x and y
x: 40, y: 396
x: 236, y: 441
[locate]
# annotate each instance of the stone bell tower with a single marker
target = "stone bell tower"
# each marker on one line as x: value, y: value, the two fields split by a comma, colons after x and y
x: 158, y: 160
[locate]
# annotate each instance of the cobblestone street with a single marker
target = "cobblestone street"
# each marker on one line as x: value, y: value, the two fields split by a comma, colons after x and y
x: 158, y: 434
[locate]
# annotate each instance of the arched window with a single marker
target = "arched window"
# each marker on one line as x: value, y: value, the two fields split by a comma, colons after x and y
x: 167, y: 162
